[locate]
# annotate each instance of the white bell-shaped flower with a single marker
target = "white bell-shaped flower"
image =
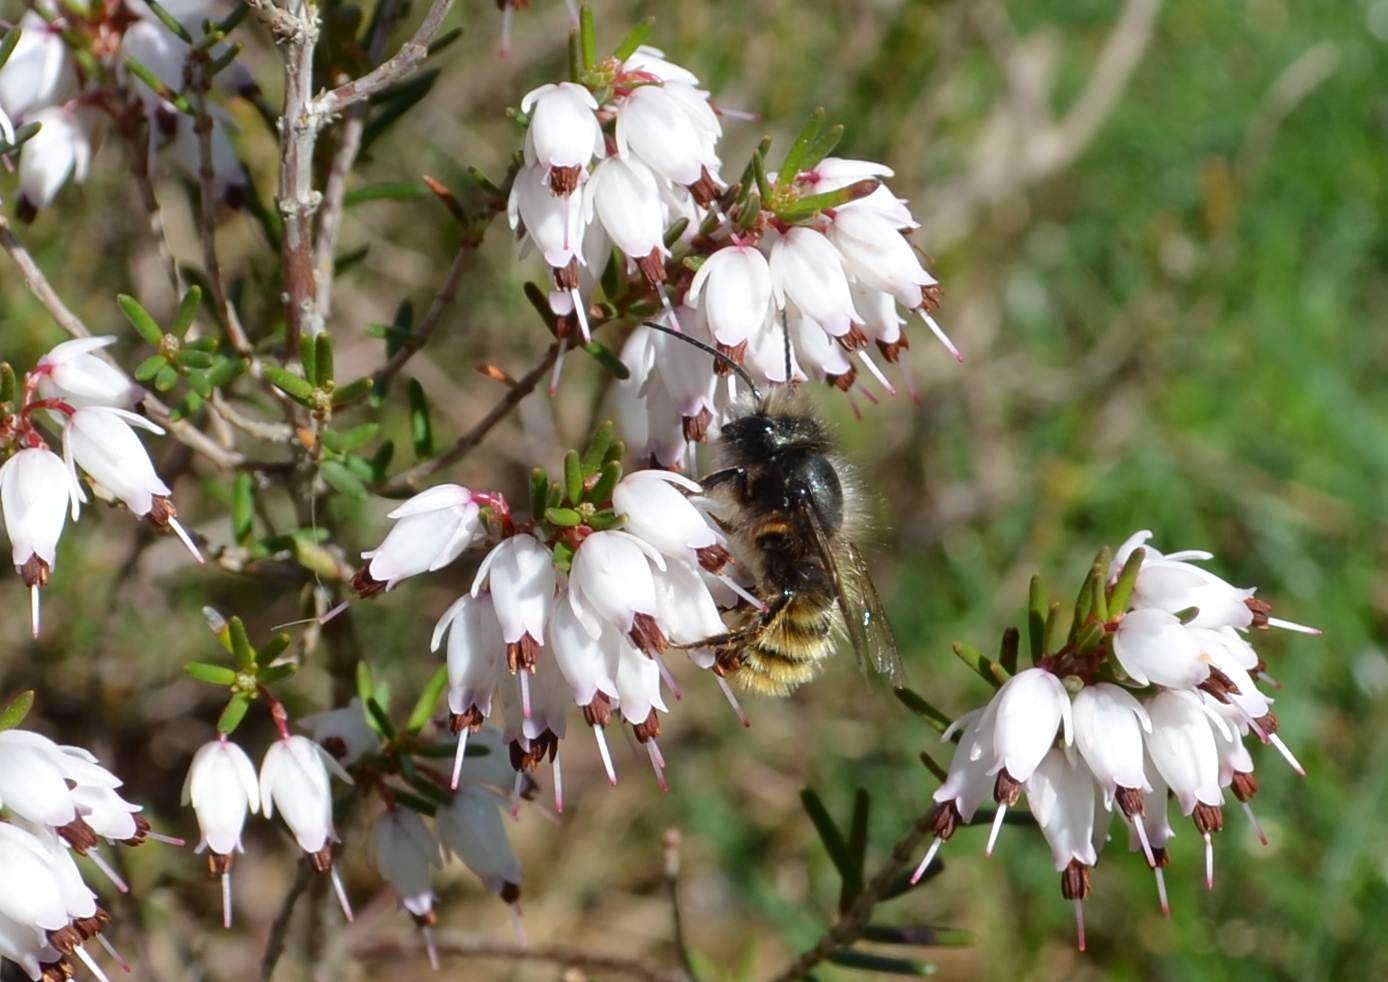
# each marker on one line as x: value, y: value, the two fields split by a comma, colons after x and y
x: 230, y: 182
x: 520, y: 572
x: 35, y: 493
x: 102, y: 442
x: 1060, y: 792
x: 660, y: 514
x: 38, y: 69
x: 1155, y: 648
x: 563, y: 135
x: 157, y: 48
x: 967, y: 784
x: 295, y: 779
x: 472, y: 829
x: 431, y: 530
x: 1175, y: 586
x: 651, y: 61
x: 818, y: 352
x: 587, y: 663
x: 475, y: 653
x: 344, y: 732
x: 554, y: 223
x: 406, y: 854
x: 61, y: 149
x: 688, y: 374
x: 623, y: 195
x: 611, y: 581
x: 638, y: 684
x: 75, y: 374
x: 656, y: 127
x: 29, y: 892
x: 1027, y: 712
x: 33, y: 784
x: 733, y: 290
x: 807, y: 271
x: 107, y: 813
x: 877, y: 254
x: 222, y: 788
x: 1109, y: 723
x: 1183, y: 748
x: 686, y: 608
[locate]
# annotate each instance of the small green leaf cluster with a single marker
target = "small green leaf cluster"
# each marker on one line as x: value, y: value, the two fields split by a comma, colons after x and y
x: 196, y: 362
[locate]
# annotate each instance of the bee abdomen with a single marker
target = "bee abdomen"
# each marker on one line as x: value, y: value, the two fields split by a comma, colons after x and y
x: 789, y: 649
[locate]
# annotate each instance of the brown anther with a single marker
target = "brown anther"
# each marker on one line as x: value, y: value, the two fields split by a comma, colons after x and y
x: 510, y: 892
x: 1219, y: 685
x: 470, y: 720
x: 891, y: 350
x: 161, y: 512
x: 65, y: 939
x: 735, y: 353
x: 843, y: 382
x: 646, y: 634
x: 365, y: 584
x: 1244, y: 786
x: 930, y: 298
x: 599, y: 711
x: 141, y: 831
x: 1160, y: 859
x: 648, y: 729
x: 336, y: 746
x: 426, y: 919
x: 1130, y: 801
x: 566, y: 277
x: 89, y: 927
x: 945, y: 819
x: 25, y: 210
x: 35, y: 571
x: 713, y: 558
x: 696, y: 427
x: 218, y: 864
x: 563, y: 181
x: 322, y: 859
x: 1208, y: 818
x: 1074, y: 881
x: 1261, y: 610
x: 78, y: 834
x: 652, y: 266
x: 566, y: 325
x: 59, y: 971
x: 1006, y: 789
x: 1268, y: 722
x: 852, y: 339
x: 546, y: 745
x: 704, y: 190
x: 521, y: 654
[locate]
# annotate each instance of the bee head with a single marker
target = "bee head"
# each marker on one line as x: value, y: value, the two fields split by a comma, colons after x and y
x: 766, y: 432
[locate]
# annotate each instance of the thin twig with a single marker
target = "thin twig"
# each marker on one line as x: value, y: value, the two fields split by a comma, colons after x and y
x: 601, y: 966
x: 671, y: 843
x: 430, y: 321
x: 849, y: 927
x: 409, y: 480
x: 401, y: 65
x: 38, y: 284
x: 280, y: 928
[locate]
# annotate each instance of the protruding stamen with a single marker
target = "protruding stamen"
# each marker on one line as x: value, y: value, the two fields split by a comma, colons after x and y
x: 605, y: 754
x: 458, y: 756
x: 1286, y: 753
x: 993, y: 832
x: 668, y: 679
x: 431, y: 950
x: 1079, y: 923
x: 120, y: 961
x: 657, y: 764
x: 341, y: 892
x: 34, y: 609
x: 1253, y: 819
x: 741, y: 591
x: 517, y: 786
x: 929, y: 858
x: 168, y: 840
x: 558, y: 367
x: 853, y: 405
x: 109, y: 870
x: 1293, y: 626
x: 334, y: 612
x: 581, y: 312
x: 1161, y: 892
x: 226, y: 899
x: 518, y: 922
x: 573, y: 13
x: 186, y: 539
x: 525, y: 693
x: 507, y: 16
x: 90, y: 962
x: 909, y: 380
x: 558, y: 784
x: 1141, y: 831
x: 669, y: 307
x: 876, y: 372
x: 941, y: 336
x: 1209, y: 862
x: 732, y: 700
x: 1258, y: 731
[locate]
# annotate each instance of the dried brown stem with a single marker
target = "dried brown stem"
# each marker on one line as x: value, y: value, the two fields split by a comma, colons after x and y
x: 275, y: 946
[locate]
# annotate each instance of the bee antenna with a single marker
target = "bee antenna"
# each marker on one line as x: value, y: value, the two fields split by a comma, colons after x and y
x: 742, y: 373
x: 785, y: 336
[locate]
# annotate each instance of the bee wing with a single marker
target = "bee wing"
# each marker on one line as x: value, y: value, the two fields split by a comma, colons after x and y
x: 869, y: 631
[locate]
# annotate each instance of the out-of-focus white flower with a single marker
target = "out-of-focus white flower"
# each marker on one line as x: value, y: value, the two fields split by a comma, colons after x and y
x: 472, y: 829
x: 38, y: 69
x: 157, y: 48
x: 34, y: 498
x: 563, y: 135
x: 230, y: 182
x: 344, y: 732
x: 61, y: 149
x: 733, y: 290
x: 1155, y: 648
x: 406, y: 854
x: 32, y: 780
x: 520, y: 573
x: 74, y: 373
x: 807, y: 271
x: 431, y: 530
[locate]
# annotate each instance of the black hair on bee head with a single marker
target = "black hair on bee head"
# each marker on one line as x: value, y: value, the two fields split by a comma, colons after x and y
x: 779, y: 422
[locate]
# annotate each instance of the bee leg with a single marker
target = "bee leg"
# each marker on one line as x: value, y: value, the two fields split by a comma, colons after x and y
x: 727, y: 661
x: 739, y: 637
x: 737, y: 476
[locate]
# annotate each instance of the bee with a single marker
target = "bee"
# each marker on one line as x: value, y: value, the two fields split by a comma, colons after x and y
x: 792, y: 507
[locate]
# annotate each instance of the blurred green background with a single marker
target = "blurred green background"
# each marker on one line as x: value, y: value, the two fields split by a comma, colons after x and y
x: 1160, y: 230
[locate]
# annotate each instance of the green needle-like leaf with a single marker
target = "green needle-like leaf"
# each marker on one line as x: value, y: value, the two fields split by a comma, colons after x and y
x: 917, y: 703
x: 140, y: 319
x: 17, y: 708
x: 989, y: 670
x: 1036, y: 618
x: 233, y: 714
x: 829, y: 834
x: 241, y: 648
x: 213, y: 674
x: 429, y: 698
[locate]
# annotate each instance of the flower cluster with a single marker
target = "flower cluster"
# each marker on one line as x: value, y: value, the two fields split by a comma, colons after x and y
x: 792, y: 275
x: 132, y: 67
x: 1152, y: 696
x: 74, y: 389
x: 57, y: 802
x: 577, y: 607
